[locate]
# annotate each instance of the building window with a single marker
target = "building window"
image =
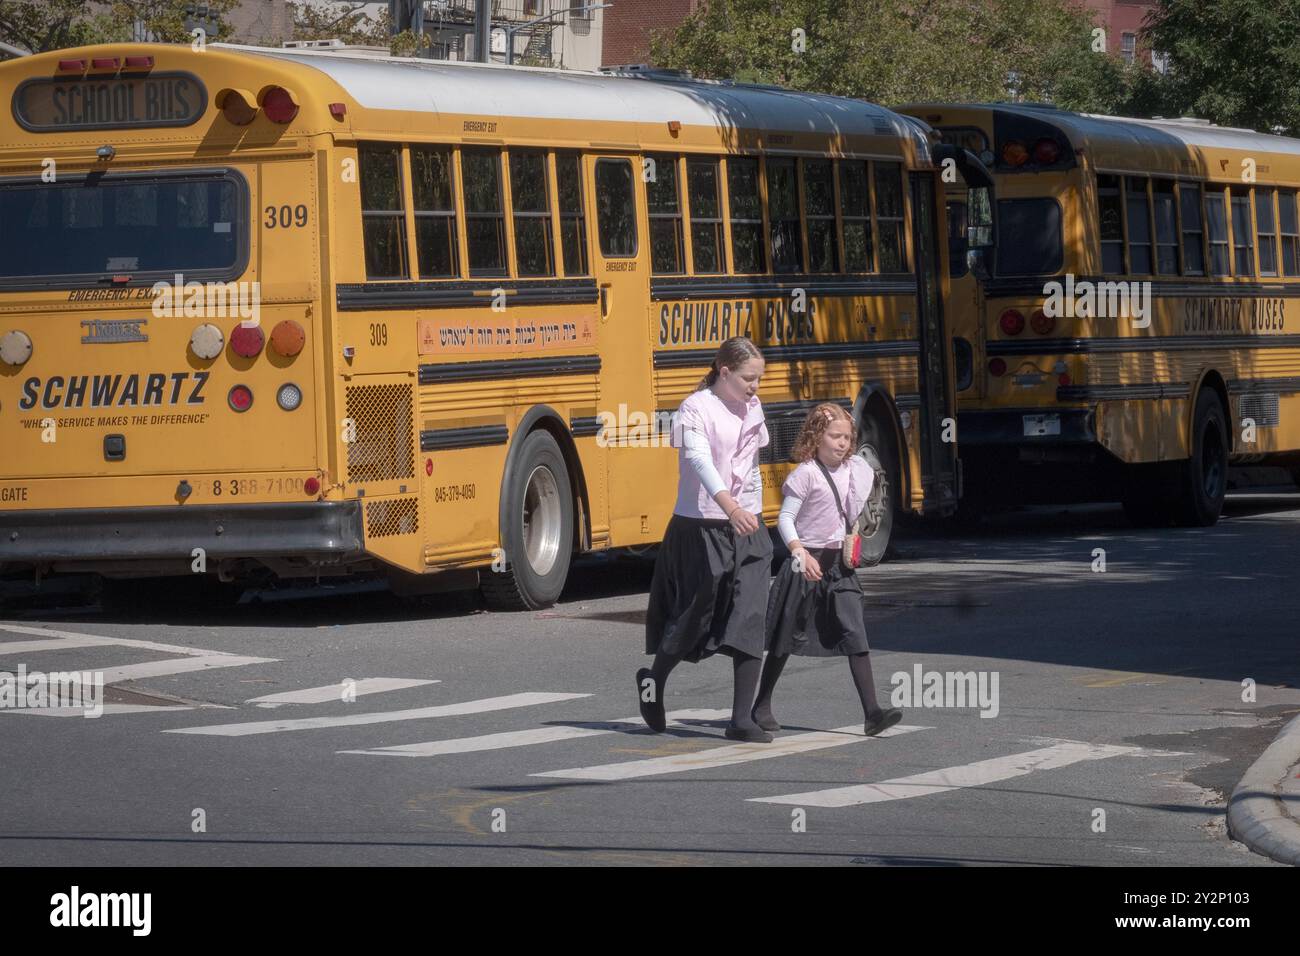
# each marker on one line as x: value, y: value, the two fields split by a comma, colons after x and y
x: 706, y: 215
x: 1128, y: 47
x: 746, y: 216
x: 819, y: 210
x: 573, y: 222
x: 435, y: 213
x: 855, y: 210
x: 663, y: 201
x: 383, y: 219
x: 485, y: 218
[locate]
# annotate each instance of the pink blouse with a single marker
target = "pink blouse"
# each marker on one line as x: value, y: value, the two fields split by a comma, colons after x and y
x: 732, y: 434
x: 818, y: 522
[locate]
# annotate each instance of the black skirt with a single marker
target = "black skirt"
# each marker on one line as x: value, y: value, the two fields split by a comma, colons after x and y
x: 816, y: 618
x: 709, y: 591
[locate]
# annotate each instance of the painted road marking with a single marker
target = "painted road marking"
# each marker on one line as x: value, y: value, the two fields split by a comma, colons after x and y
x: 538, y: 735
x: 727, y: 756
x: 329, y: 692
x: 1061, y: 754
x: 109, y: 710
x: 351, y: 720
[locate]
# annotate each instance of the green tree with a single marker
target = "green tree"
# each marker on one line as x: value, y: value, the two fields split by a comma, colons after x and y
x: 1234, y: 62
x: 40, y: 25
x: 899, y: 51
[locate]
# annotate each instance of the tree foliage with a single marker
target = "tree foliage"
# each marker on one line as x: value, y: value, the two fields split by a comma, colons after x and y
x: 40, y: 25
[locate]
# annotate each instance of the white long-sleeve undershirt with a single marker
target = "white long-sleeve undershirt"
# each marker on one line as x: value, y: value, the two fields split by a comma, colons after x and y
x: 785, y: 520
x: 700, y: 457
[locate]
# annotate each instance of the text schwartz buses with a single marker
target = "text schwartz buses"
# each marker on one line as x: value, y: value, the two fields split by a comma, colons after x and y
x: 1135, y: 327
x: 295, y: 313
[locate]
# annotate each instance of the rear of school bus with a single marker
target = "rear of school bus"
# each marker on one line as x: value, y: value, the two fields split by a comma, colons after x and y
x: 1011, y: 422
x: 162, y: 341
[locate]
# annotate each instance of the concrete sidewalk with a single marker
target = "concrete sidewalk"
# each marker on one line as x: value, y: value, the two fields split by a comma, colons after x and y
x: 1264, y: 811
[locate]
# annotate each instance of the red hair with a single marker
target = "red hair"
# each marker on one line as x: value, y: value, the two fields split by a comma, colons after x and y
x: 814, y: 429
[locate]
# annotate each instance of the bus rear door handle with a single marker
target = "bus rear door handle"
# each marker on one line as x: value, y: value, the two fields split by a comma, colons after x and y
x: 604, y: 302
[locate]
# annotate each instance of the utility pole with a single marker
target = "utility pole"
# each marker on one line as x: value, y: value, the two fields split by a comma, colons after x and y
x: 482, y: 31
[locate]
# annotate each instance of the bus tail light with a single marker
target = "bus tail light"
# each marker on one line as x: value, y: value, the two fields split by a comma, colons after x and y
x: 997, y: 367
x: 206, y: 341
x: 278, y: 104
x: 1063, y: 378
x: 1014, y: 153
x: 1041, y: 322
x: 139, y: 63
x: 15, y: 348
x: 1046, y: 152
x: 1011, y: 322
x: 72, y: 66
x: 236, y: 106
x: 247, y: 340
x: 287, y: 338
x: 105, y: 63
x: 311, y: 486
x: 289, y: 397
x: 240, y: 398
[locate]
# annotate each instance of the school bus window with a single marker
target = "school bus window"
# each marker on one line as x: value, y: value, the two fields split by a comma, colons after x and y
x: 783, y: 214
x: 573, y: 222
x: 1216, y: 221
x: 485, y: 220
x: 889, y: 216
x: 663, y: 200
x: 1166, y: 215
x: 435, y: 214
x: 1029, y: 237
x: 958, y: 238
x: 615, y: 207
x: 855, y: 209
x: 706, y: 215
x: 1242, y: 236
x: 1189, y: 199
x: 383, y: 220
x: 1110, y: 215
x: 1289, y: 227
x: 747, y: 246
x: 1267, y: 232
x: 819, y: 209
x: 1139, y: 225
x: 532, y: 209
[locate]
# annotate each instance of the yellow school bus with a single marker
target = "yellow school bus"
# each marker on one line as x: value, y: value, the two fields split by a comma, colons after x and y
x: 303, y: 313
x: 1131, y: 330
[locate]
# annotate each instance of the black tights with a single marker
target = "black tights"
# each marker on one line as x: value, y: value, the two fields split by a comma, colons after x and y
x: 859, y: 667
x: 746, y: 670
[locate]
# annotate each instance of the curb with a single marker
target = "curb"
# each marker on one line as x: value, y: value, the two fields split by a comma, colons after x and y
x: 1256, y: 816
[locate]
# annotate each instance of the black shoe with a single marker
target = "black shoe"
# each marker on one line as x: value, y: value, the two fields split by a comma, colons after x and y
x: 652, y: 712
x: 768, y: 723
x: 751, y: 735
x: 882, y: 721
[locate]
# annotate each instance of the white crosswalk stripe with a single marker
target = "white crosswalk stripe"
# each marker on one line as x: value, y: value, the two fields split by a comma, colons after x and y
x: 728, y: 756
x: 107, y: 710
x: 538, y: 735
x: 329, y: 692
x: 1061, y: 754
x: 352, y: 720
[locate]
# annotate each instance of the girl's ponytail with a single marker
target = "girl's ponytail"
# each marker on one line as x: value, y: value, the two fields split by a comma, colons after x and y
x: 732, y: 354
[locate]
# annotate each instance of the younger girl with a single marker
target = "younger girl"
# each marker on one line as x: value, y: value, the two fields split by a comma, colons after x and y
x: 709, y: 591
x: 815, y: 607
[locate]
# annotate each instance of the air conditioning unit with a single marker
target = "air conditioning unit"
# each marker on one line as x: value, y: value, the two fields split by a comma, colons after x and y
x: 311, y: 44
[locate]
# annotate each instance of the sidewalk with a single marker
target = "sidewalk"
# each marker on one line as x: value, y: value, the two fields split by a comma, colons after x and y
x: 1264, y: 810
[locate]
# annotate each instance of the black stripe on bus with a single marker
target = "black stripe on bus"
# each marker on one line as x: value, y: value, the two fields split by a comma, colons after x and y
x: 1155, y: 343
x: 509, y: 368
x: 472, y: 436
x: 690, y: 358
x: 908, y: 400
x: 665, y: 288
x: 1160, y: 288
x: 362, y: 296
x: 1108, y: 393
x: 585, y: 426
x: 1244, y: 386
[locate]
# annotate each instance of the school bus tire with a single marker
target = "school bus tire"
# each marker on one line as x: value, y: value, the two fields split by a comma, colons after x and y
x: 537, y: 534
x: 875, y: 448
x: 1203, y: 478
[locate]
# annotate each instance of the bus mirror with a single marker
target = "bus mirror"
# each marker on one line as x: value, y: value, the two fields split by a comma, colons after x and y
x: 975, y: 264
x: 979, y: 218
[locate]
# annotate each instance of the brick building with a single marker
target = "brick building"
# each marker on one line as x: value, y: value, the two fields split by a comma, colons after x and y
x: 629, y: 23
x: 1122, y: 21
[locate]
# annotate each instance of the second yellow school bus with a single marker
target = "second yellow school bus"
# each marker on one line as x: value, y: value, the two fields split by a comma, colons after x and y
x: 455, y: 302
x: 1133, y: 329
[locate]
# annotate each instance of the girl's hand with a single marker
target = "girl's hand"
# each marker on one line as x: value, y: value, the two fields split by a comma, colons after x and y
x: 744, y: 522
x: 807, y: 563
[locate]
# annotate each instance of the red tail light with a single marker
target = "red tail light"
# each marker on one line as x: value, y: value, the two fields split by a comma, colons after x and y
x: 997, y: 367
x: 311, y: 486
x: 278, y: 104
x: 288, y: 338
x: 139, y: 63
x: 105, y: 62
x: 236, y: 106
x: 247, y: 340
x: 1014, y: 153
x: 72, y: 66
x: 1046, y: 152
x: 240, y: 398
x: 1011, y: 322
x: 1063, y: 378
x: 1041, y: 322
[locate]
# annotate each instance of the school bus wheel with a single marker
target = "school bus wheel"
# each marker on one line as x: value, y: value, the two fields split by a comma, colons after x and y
x: 876, y: 450
x: 1204, y: 479
x: 537, y: 536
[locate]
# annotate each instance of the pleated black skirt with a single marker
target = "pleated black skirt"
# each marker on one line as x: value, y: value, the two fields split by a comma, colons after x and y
x: 709, y: 591
x: 816, y: 618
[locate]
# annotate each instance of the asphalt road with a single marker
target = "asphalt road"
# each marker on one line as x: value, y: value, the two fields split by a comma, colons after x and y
x: 1119, y: 723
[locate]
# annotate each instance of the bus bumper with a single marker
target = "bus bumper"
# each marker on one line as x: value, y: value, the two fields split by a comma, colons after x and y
x: 316, y: 528
x: 1027, y: 427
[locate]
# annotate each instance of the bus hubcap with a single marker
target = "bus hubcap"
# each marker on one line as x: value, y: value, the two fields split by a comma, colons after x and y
x: 542, y: 519
x: 1211, y: 463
